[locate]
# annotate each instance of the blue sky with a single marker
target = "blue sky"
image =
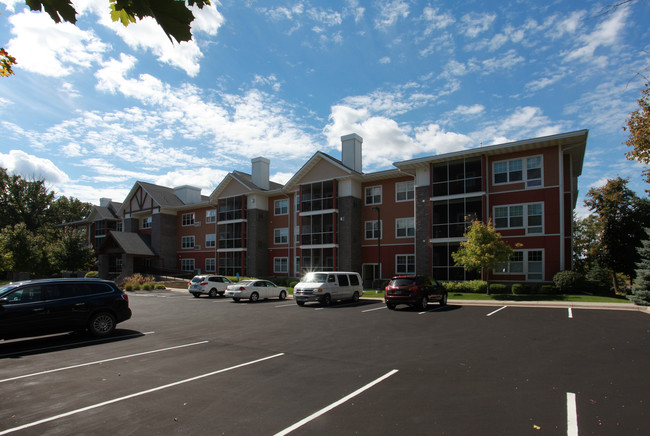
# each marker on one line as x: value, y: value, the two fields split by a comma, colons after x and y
x: 95, y: 107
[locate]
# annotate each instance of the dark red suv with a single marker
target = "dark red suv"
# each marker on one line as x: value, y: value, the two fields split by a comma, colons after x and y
x: 415, y: 291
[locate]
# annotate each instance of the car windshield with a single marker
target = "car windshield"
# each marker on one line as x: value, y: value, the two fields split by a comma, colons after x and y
x: 6, y: 289
x: 315, y: 278
x: 197, y: 279
x: 401, y: 282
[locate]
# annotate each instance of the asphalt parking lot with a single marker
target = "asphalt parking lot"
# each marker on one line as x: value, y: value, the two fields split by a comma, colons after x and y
x: 183, y: 365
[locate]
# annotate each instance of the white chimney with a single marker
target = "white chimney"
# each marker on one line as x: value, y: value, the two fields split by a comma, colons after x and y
x: 351, y: 151
x: 261, y: 172
x: 188, y: 194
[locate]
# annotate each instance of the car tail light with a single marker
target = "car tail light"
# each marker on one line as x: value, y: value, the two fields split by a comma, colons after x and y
x: 125, y: 297
x: 414, y: 288
x: 204, y: 283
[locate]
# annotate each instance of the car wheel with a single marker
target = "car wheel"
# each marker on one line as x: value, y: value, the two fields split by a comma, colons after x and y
x: 443, y: 299
x: 355, y: 297
x: 283, y: 295
x: 326, y: 300
x: 236, y: 299
x: 101, y: 324
x: 424, y: 302
x: 196, y: 294
x: 391, y: 306
x: 254, y: 297
x: 212, y: 293
x: 300, y: 303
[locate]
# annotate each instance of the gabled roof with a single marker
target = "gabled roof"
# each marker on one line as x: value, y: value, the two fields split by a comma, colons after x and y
x: 131, y: 243
x: 163, y: 196
x: 312, y: 162
x: 244, y: 179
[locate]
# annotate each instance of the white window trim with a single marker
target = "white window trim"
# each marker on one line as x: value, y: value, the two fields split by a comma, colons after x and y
x: 413, y: 227
x: 397, y: 271
x: 410, y: 191
x: 524, y: 171
x: 192, y: 220
x: 188, y: 262
x: 365, y: 229
x: 211, y: 218
x: 214, y: 261
x: 525, y: 271
x: 185, y: 239
x: 525, y: 225
x: 147, y: 220
x: 275, y: 207
x: 277, y: 233
x: 381, y: 195
x: 211, y: 243
x: 286, y: 264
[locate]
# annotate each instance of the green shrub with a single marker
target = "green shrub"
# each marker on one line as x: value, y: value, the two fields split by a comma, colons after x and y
x: 548, y: 290
x: 520, y: 289
x: 135, y: 286
x: 498, y: 288
x: 160, y: 286
x: 92, y: 274
x: 568, y: 281
x: 470, y: 286
x: 148, y: 286
x: 128, y: 287
x: 293, y: 283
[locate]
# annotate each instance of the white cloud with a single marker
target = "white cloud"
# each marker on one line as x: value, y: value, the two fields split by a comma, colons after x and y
x: 606, y: 34
x: 45, y: 47
x: 32, y: 167
x: 390, y: 13
x: 472, y: 110
x: 385, y: 60
x: 567, y: 26
x: 205, y: 178
x: 435, y: 20
x: 474, y: 24
x: 542, y: 83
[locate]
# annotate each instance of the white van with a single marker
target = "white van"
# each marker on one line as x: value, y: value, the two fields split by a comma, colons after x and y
x: 328, y: 286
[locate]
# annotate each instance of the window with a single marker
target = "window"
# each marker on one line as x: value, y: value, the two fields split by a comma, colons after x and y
x: 404, y: 227
x: 461, y: 176
x: 405, y: 264
x: 404, y: 191
x: 211, y: 216
x: 528, y: 262
x: 373, y: 229
x: 512, y: 217
x: 317, y: 229
x: 188, y: 219
x: 146, y: 222
x: 317, y: 196
x: 281, y: 207
x: 451, y: 217
x: 512, y: 171
x: 231, y: 264
x: 211, y: 240
x: 187, y: 264
x: 231, y: 235
x: 280, y: 265
x: 211, y: 264
x: 373, y: 195
x: 281, y: 236
x: 232, y: 208
x: 187, y: 242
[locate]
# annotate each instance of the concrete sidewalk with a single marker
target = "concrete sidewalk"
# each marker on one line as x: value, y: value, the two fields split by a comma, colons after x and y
x: 540, y: 304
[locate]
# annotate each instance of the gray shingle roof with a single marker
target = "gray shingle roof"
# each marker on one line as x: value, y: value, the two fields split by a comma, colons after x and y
x: 132, y: 243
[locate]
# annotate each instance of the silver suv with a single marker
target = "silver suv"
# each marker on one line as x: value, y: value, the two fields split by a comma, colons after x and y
x: 209, y: 285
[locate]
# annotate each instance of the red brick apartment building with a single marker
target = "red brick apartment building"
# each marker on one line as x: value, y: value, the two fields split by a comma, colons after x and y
x: 332, y: 216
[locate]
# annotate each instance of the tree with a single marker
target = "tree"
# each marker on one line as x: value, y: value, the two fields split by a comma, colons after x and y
x: 639, y: 127
x: 585, y: 232
x: 621, y: 217
x: 483, y: 250
x: 27, y: 249
x: 23, y: 201
x: 67, y: 209
x: 71, y: 252
x: 641, y: 288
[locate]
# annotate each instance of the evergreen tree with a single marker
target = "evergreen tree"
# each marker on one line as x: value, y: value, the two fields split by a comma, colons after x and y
x: 641, y: 288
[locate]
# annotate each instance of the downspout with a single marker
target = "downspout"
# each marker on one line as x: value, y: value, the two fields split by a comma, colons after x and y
x: 561, y: 213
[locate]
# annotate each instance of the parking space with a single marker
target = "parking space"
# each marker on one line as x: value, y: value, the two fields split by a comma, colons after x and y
x: 184, y: 365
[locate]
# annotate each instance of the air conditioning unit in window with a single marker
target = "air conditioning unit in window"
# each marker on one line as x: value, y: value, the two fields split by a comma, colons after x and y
x: 197, y: 247
x: 197, y: 223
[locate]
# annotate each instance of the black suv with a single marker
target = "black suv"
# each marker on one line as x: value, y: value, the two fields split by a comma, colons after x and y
x: 40, y: 307
x: 415, y: 291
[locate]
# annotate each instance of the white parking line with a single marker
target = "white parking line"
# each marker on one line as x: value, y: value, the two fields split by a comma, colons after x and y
x: 572, y: 414
x: 102, y: 361
x: 492, y: 313
x: 570, y: 313
x: 431, y: 310
x: 137, y: 394
x: 376, y: 308
x: 333, y: 405
x: 287, y: 305
x: 109, y: 339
